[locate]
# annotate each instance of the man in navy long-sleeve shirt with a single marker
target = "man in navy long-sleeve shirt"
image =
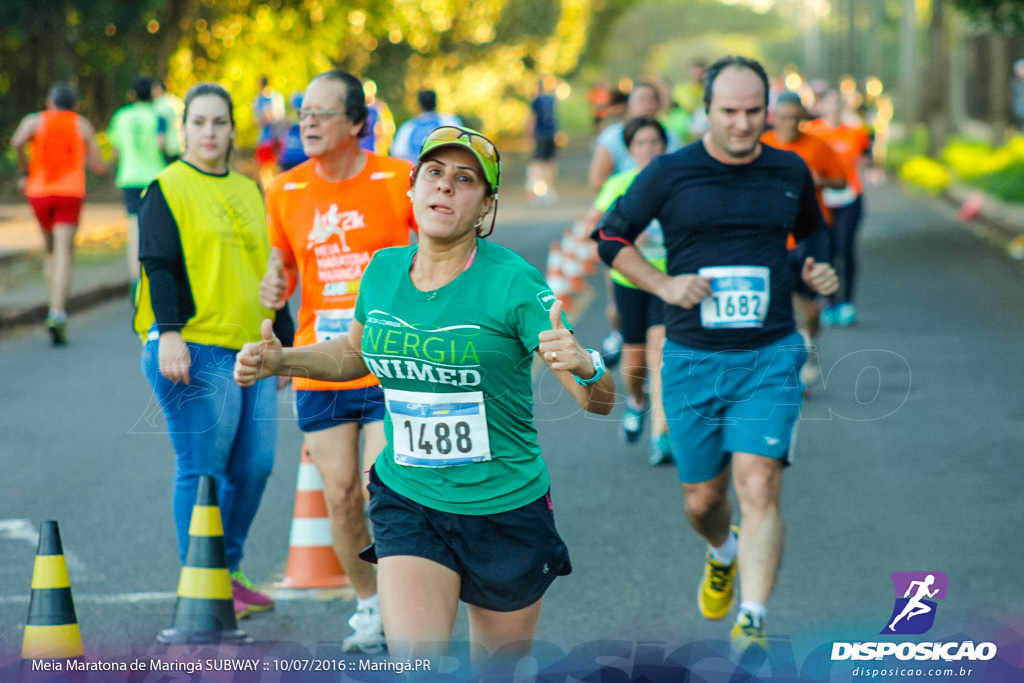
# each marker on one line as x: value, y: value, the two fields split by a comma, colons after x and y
x: 732, y: 359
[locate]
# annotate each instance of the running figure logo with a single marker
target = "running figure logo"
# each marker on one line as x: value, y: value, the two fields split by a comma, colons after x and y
x: 914, y: 612
x: 334, y: 222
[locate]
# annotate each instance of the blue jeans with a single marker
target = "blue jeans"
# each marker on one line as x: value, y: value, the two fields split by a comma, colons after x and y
x: 217, y: 428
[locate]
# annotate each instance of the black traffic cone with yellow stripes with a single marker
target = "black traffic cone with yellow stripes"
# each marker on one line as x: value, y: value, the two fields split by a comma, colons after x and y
x: 205, y: 610
x: 51, y: 631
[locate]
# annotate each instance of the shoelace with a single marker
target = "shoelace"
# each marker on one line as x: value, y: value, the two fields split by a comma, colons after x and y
x: 719, y: 577
x: 749, y: 627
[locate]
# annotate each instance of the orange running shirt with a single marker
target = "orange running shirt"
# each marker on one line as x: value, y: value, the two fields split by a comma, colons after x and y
x: 849, y: 142
x: 57, y: 165
x: 333, y: 229
x: 819, y: 157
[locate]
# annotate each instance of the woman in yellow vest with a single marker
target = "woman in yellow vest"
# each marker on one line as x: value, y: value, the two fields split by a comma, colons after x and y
x: 203, y: 249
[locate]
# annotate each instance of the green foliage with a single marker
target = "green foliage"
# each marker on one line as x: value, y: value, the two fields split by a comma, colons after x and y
x: 999, y: 15
x: 9, y: 171
x: 525, y: 19
x: 925, y: 174
x: 97, y: 45
x: 899, y: 152
x: 654, y: 27
x: 482, y: 57
x: 1006, y: 184
x: 997, y: 172
x: 967, y: 158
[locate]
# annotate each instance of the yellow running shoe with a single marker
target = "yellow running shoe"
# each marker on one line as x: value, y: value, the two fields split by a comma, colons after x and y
x: 747, y: 632
x: 715, y: 594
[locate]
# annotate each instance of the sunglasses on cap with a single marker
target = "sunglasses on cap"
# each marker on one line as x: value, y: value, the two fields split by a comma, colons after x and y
x: 484, y: 149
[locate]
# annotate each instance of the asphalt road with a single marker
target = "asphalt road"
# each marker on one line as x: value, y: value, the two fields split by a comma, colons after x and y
x: 908, y: 459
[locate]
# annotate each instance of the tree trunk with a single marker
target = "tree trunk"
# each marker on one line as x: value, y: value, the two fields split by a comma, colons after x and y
x: 869, y: 42
x: 999, y: 90
x: 852, y: 66
x: 937, y: 98
x: 812, y: 44
x: 907, y: 102
x: 957, y: 73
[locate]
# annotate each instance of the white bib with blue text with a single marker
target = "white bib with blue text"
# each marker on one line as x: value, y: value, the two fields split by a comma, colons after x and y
x: 739, y: 297
x: 438, y: 430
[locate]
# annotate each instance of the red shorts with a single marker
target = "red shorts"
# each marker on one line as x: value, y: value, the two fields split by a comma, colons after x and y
x: 52, y: 211
x: 266, y: 152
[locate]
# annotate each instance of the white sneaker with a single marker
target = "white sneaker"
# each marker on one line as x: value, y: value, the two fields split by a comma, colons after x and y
x: 369, y: 633
x: 809, y: 374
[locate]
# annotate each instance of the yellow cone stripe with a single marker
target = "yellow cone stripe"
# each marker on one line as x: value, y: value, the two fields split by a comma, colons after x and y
x: 206, y: 521
x: 50, y: 572
x: 52, y: 642
x: 205, y: 584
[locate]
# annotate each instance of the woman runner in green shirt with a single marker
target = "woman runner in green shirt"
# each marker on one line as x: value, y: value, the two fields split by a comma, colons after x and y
x: 459, y: 498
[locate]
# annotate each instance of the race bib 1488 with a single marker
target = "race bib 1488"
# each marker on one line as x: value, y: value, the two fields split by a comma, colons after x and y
x: 438, y: 430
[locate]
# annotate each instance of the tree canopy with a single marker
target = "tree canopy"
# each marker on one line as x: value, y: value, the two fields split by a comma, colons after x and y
x: 484, y: 55
x: 1000, y: 15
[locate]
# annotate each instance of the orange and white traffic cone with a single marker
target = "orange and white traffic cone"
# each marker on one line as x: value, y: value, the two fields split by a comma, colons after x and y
x: 554, y: 262
x: 586, y: 248
x: 312, y: 562
x: 971, y: 208
x: 571, y: 266
x: 556, y: 279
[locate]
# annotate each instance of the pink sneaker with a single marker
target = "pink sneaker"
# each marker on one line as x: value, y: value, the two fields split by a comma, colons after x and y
x: 241, y: 609
x: 247, y: 598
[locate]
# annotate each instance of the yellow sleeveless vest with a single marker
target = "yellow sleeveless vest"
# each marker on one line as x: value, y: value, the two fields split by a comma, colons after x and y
x: 223, y: 227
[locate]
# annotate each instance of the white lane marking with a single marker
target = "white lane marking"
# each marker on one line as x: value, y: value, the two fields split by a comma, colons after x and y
x: 98, y: 599
x: 291, y: 595
x: 19, y: 530
x: 25, y: 530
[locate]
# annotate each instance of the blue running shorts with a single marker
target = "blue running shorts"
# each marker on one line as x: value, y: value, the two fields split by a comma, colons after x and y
x: 722, y: 402
x: 321, y: 409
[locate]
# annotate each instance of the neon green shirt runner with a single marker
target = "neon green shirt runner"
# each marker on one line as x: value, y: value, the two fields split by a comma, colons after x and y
x: 651, y: 242
x: 133, y: 130
x: 455, y: 365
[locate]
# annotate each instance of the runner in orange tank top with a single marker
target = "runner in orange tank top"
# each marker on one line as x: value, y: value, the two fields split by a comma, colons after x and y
x: 62, y: 145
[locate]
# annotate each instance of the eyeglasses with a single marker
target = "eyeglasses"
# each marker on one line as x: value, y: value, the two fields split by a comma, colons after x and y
x: 319, y: 115
x: 478, y: 142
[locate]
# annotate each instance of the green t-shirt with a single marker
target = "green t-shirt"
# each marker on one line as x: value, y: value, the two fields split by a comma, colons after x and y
x: 651, y: 242
x: 133, y: 130
x: 172, y: 138
x: 455, y: 365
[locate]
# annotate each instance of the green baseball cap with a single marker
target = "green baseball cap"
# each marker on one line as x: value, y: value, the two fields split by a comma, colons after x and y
x: 483, y: 149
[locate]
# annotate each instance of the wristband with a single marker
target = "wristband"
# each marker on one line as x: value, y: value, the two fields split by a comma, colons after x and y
x: 599, y: 369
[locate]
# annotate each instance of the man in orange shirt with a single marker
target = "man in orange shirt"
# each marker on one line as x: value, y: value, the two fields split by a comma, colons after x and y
x: 828, y: 171
x: 851, y: 141
x: 327, y: 217
x: 53, y: 178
